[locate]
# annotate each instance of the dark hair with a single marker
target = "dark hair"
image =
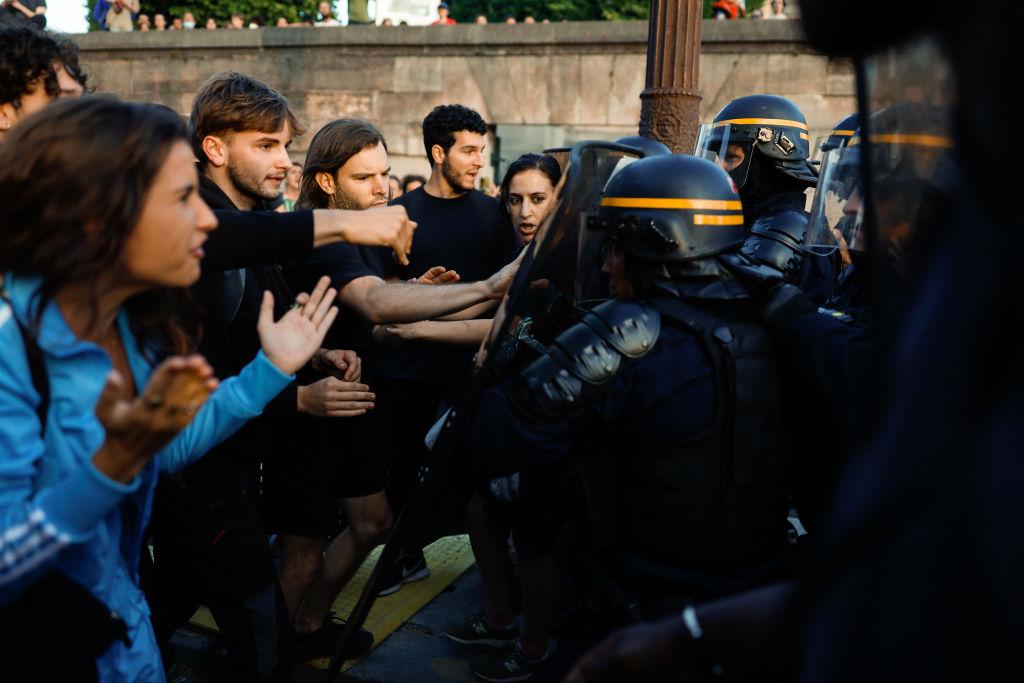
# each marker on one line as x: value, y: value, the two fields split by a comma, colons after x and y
x: 529, y: 162
x: 441, y: 125
x: 26, y: 56
x: 330, y: 148
x: 69, y: 59
x: 411, y: 178
x: 88, y: 163
x: 232, y: 102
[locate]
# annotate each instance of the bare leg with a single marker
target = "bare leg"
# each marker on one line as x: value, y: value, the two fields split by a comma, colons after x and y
x: 538, y: 574
x: 299, y: 567
x: 369, y: 521
x: 491, y: 554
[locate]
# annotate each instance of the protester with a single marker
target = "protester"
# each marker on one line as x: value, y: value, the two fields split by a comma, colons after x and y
x: 464, y: 230
x: 35, y: 69
x: 527, y: 196
x: 291, y: 185
x: 104, y: 309
x: 395, y: 187
x: 411, y: 182
x: 240, y: 130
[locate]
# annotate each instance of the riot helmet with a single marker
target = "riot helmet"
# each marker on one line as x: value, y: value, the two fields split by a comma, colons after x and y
x: 755, y: 131
x: 649, y: 146
x: 841, y: 133
x: 668, y: 209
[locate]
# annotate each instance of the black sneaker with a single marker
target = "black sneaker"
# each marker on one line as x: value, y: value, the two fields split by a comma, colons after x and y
x: 409, y: 568
x: 321, y: 642
x: 476, y: 630
x: 506, y: 664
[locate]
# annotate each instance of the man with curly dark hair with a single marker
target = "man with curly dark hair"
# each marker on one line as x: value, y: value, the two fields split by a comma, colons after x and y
x: 466, y: 231
x: 36, y: 68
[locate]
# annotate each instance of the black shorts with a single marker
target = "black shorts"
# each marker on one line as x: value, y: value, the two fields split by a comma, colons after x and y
x: 314, y: 463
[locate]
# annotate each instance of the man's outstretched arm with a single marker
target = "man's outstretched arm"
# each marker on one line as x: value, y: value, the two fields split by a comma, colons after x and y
x: 256, y: 238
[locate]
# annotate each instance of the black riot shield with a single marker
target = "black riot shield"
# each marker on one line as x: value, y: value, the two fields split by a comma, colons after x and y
x: 905, y: 150
x: 541, y: 301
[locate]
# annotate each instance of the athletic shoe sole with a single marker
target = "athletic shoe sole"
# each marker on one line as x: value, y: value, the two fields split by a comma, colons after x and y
x: 417, y: 575
x: 486, y: 642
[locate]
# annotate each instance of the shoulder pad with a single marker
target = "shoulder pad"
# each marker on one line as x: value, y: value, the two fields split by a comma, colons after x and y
x: 630, y: 326
x: 836, y: 315
x: 584, y: 359
x: 785, y: 225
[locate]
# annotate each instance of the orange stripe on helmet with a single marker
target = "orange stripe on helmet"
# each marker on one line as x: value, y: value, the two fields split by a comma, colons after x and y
x: 672, y: 203
x: 706, y: 219
x: 761, y: 122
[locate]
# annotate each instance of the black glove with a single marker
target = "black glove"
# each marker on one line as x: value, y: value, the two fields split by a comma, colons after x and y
x: 757, y: 278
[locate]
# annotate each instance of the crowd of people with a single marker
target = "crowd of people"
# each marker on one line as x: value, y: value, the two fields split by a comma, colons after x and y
x: 651, y: 387
x: 125, y: 15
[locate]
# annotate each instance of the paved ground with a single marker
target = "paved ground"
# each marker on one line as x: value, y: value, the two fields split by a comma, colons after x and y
x: 417, y: 652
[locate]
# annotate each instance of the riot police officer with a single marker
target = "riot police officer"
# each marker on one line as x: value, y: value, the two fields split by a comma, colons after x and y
x: 764, y: 144
x: 673, y: 378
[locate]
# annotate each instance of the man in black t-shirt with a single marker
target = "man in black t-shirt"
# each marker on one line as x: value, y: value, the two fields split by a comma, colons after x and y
x: 347, y: 167
x: 465, y: 230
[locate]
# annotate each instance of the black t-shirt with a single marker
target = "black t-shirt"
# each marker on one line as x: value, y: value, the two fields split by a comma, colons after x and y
x: 469, y: 234
x: 343, y: 263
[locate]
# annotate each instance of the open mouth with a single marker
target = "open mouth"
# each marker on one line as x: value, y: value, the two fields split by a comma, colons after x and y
x: 527, y: 228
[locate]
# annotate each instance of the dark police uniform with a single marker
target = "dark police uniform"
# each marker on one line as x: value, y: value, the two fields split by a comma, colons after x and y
x: 678, y: 389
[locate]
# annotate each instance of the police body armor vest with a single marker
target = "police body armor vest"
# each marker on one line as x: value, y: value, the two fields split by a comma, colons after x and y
x: 707, y: 515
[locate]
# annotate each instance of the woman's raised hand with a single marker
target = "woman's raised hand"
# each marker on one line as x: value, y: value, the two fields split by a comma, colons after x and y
x: 137, y: 428
x: 291, y: 341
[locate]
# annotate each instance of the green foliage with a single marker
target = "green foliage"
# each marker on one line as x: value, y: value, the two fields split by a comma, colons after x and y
x: 555, y: 10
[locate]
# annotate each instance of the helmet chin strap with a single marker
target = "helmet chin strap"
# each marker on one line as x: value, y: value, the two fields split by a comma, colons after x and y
x: 764, y: 183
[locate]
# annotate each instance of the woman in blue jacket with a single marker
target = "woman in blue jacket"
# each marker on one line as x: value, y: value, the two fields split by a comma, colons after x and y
x: 102, y: 232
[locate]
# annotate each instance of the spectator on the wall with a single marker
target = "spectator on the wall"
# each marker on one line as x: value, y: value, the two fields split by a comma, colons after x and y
x: 159, y: 22
x: 119, y: 15
x: 481, y: 19
x: 358, y: 13
x: 776, y: 10
x: 729, y: 9
x: 144, y: 24
x: 281, y: 22
x: 176, y: 24
x: 237, y: 22
x: 15, y: 12
x: 211, y: 24
x: 442, y: 16
x: 188, y: 21
x: 325, y: 16
x: 510, y: 19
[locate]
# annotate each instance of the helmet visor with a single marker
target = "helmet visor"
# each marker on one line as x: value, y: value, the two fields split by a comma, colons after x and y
x: 837, y: 212
x: 721, y: 146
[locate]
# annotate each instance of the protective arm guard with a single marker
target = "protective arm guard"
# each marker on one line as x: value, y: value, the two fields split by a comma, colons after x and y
x: 777, y: 240
x: 579, y: 366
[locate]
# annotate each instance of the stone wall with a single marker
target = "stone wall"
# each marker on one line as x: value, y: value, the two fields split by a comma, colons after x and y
x: 539, y: 85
